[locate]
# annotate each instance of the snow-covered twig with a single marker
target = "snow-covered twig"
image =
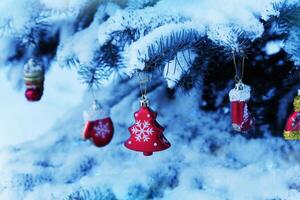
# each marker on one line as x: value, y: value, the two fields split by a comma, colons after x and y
x: 161, y: 45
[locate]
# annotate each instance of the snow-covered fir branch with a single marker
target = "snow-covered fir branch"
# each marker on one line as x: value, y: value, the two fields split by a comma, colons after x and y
x: 162, y: 45
x: 108, y: 28
x: 186, y: 46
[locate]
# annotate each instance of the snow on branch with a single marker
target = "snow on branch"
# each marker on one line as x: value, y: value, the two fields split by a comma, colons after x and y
x: 287, y: 22
x: 176, y: 68
x: 15, y: 16
x: 81, y: 47
x: 288, y: 15
x: 162, y: 45
x: 233, y: 39
x: 130, y: 25
x: 292, y: 45
x: 125, y: 27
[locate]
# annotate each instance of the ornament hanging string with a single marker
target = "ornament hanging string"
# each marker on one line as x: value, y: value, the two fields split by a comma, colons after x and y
x: 96, y: 103
x: 93, y: 93
x: 144, y: 79
x: 238, y: 74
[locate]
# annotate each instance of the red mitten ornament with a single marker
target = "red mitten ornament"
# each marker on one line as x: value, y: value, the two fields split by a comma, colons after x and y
x: 292, y: 127
x: 240, y: 115
x: 146, y: 135
x: 98, y: 127
x: 34, y: 80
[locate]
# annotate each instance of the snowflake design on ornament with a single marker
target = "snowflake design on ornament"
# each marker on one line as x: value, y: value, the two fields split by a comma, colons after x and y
x: 245, y: 115
x: 142, y: 131
x: 102, y: 129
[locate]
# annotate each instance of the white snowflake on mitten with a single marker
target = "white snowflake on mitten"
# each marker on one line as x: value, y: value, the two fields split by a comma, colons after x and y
x: 102, y: 129
x: 142, y: 131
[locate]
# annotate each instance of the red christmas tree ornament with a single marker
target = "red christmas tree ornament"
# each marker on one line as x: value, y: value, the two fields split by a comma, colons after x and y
x: 146, y: 134
x: 292, y: 127
x: 34, y: 80
x: 241, y: 117
x: 98, y: 126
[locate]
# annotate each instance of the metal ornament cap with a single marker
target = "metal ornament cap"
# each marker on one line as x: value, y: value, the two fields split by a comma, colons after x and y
x: 33, y: 70
x: 144, y: 102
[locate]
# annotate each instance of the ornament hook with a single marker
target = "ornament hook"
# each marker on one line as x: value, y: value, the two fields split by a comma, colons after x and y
x: 144, y: 101
x: 239, y: 85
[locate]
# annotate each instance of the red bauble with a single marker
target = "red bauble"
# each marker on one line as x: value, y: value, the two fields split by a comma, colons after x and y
x: 241, y: 117
x: 146, y: 135
x: 33, y: 94
x: 100, y: 131
x: 98, y: 127
x: 292, y: 127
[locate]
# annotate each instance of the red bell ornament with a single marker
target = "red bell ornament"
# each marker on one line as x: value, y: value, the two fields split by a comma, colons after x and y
x: 241, y: 117
x: 146, y: 134
x: 292, y: 127
x: 34, y: 80
x: 98, y: 125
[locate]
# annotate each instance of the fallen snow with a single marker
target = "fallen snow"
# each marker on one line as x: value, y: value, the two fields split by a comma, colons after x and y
x: 206, y: 161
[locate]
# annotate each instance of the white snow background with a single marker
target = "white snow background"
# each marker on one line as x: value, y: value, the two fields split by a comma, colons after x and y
x: 25, y: 121
x: 43, y: 156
